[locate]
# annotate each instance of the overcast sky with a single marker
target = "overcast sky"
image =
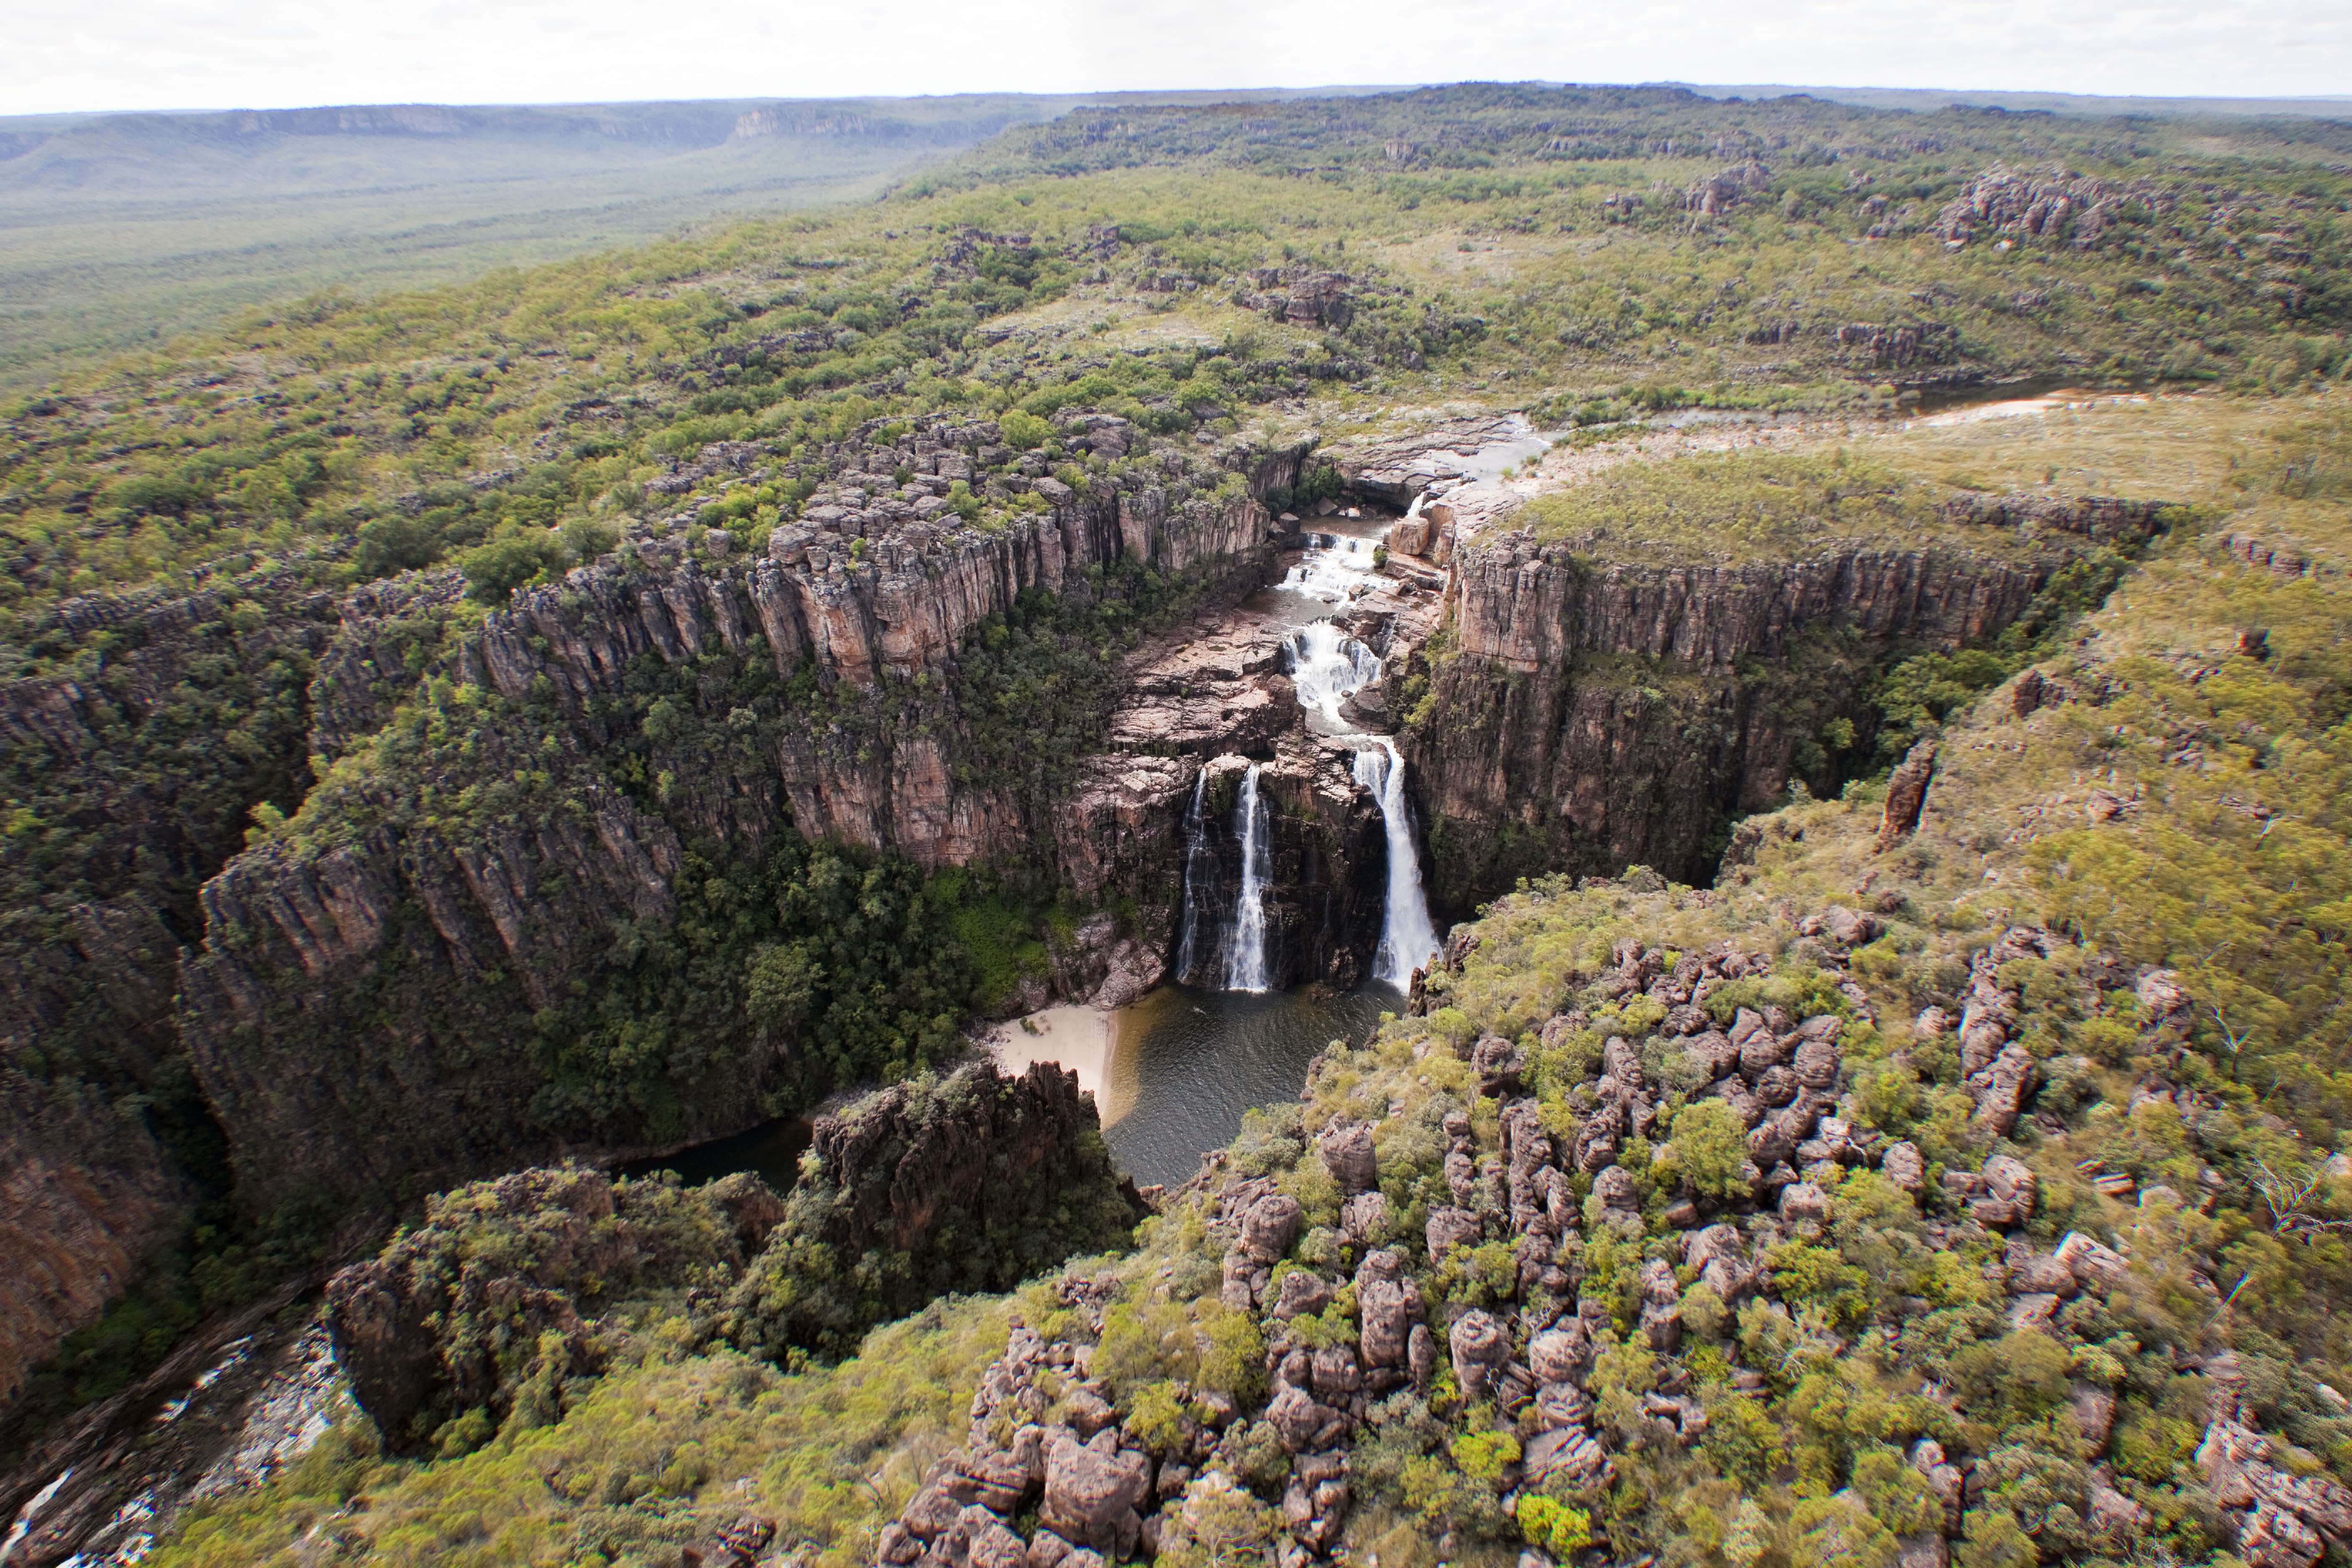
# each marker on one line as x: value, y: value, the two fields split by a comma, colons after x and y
x: 155, y: 54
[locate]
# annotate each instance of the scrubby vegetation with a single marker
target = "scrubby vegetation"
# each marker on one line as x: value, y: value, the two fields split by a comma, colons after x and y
x: 269, y: 565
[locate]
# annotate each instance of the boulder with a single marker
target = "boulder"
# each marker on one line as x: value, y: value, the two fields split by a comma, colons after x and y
x: 1303, y: 1422
x: 1386, y: 1304
x: 2096, y: 1267
x: 1302, y: 1294
x: 1270, y: 1226
x: 1567, y: 1451
x: 2094, y: 1410
x: 1560, y: 1355
x: 1803, y: 1201
x: 1346, y: 1148
x: 1902, y: 1165
x: 1479, y: 1344
x: 1363, y: 1216
x: 1562, y: 1404
x: 1848, y: 928
x: 1093, y: 1491
x: 2010, y: 1184
x: 2112, y: 1514
x: 1816, y: 1064
x: 1452, y: 1227
x: 2032, y: 1311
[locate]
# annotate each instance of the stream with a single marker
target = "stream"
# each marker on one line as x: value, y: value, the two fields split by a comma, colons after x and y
x: 1172, y: 1073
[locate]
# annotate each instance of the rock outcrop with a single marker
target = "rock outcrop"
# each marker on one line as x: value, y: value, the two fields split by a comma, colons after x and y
x: 1593, y: 717
x: 491, y: 1298
x: 971, y: 1183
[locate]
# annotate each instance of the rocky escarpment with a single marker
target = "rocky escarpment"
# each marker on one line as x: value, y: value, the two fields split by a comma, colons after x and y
x: 971, y: 1183
x: 544, y: 782
x: 86, y: 1194
x: 1592, y: 715
x: 130, y: 764
x: 491, y: 1301
x: 1599, y: 1260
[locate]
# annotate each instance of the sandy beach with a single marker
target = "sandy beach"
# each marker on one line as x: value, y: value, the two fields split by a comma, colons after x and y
x: 1076, y: 1038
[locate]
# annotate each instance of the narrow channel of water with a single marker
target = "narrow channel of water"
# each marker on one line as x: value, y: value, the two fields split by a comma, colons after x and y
x: 771, y: 1151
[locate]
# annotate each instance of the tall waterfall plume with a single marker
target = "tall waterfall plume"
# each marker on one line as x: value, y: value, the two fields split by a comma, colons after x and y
x: 1246, y: 958
x: 1408, y: 937
x: 1199, y: 875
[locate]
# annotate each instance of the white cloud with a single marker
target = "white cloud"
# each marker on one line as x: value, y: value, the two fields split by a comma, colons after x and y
x: 121, y: 54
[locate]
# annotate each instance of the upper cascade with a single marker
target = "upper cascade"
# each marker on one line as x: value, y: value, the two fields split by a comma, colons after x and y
x: 1327, y: 666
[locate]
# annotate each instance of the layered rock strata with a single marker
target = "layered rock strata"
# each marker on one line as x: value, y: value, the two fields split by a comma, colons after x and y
x: 427, y: 938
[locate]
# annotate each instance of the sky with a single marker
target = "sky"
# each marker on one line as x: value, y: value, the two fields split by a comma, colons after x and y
x: 74, y: 55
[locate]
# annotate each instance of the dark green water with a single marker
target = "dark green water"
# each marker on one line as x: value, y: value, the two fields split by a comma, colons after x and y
x: 771, y: 1151
x: 1186, y: 1063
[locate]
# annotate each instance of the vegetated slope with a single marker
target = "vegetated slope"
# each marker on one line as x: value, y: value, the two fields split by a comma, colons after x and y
x: 1957, y: 1180
x: 272, y: 555
x: 126, y: 229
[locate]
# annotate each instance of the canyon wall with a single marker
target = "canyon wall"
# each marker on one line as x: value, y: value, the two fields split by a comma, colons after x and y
x: 369, y: 1012
x: 138, y: 736
x: 1589, y: 716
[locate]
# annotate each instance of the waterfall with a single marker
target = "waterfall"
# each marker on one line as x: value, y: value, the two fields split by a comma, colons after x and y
x: 1246, y: 960
x: 1199, y: 866
x: 1408, y: 938
x: 1328, y: 665
x: 1334, y: 569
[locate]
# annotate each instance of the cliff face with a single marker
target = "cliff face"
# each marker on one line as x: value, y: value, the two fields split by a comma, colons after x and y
x: 86, y: 1193
x: 391, y: 964
x: 1593, y: 717
x: 130, y: 764
x: 1324, y: 864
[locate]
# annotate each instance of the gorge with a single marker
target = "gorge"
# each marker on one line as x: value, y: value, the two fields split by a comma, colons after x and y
x: 1708, y: 940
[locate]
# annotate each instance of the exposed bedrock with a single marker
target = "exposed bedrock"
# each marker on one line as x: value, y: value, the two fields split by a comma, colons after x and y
x: 428, y: 938
x: 130, y: 759
x: 85, y: 1194
x: 1590, y: 718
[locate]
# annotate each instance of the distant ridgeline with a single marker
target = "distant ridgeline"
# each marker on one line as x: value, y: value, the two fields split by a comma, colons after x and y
x: 610, y: 703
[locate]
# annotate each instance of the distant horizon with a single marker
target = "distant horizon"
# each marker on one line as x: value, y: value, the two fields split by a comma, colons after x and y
x: 135, y: 56
x: 1835, y: 91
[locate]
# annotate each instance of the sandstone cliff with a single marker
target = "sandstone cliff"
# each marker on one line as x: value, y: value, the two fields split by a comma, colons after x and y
x: 515, y: 827
x: 1590, y: 715
x: 131, y: 755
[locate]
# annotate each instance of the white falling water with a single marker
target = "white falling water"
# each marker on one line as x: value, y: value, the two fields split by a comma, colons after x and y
x: 1328, y: 665
x: 1246, y: 960
x: 1199, y: 861
x: 1408, y: 937
x: 1334, y: 571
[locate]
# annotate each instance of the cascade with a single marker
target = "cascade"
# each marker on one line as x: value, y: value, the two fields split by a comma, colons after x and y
x: 1334, y: 569
x: 1246, y: 960
x: 1327, y: 665
x: 1199, y: 867
x: 1408, y: 937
